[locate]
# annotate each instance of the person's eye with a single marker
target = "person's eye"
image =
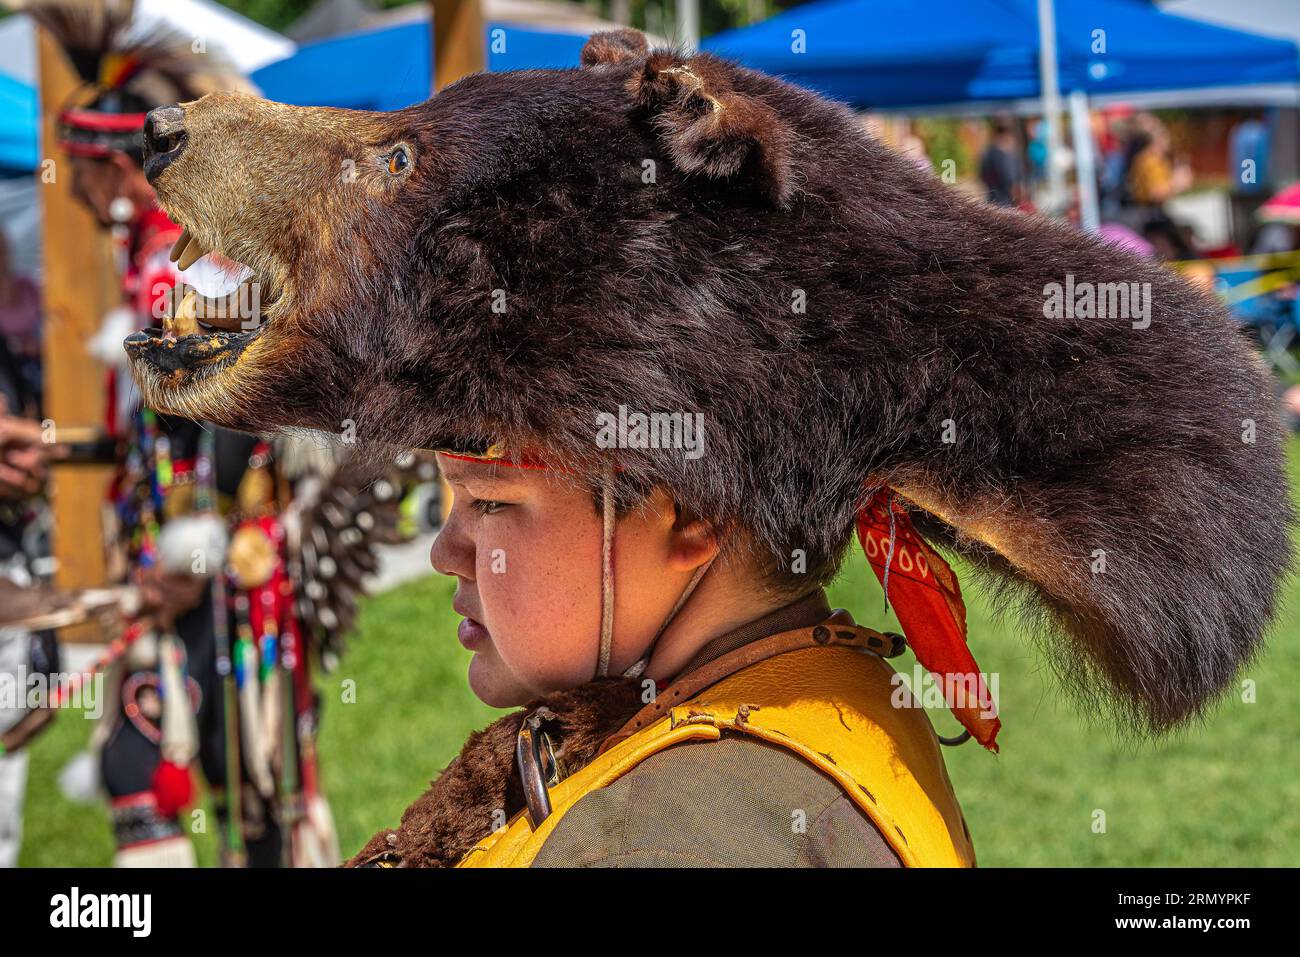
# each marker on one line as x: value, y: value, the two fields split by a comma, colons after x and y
x: 486, y: 506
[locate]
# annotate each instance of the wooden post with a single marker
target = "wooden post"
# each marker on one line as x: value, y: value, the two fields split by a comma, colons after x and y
x: 459, y: 40
x: 81, y: 285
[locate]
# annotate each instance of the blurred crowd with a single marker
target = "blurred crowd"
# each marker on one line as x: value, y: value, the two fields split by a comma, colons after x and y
x: 1138, y: 173
x: 1220, y: 212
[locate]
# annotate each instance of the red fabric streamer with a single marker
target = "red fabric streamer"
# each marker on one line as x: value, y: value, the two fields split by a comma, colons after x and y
x: 925, y: 596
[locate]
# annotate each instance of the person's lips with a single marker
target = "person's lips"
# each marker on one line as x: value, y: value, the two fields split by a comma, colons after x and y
x: 471, y: 632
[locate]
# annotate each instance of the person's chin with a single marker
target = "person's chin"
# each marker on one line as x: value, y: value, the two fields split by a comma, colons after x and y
x: 492, y: 687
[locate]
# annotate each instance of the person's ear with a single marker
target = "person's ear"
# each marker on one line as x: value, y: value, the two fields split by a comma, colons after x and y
x: 692, y: 543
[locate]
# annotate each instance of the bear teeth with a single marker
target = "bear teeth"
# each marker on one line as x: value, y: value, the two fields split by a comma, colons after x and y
x: 187, y: 250
x: 180, y: 245
x: 192, y: 253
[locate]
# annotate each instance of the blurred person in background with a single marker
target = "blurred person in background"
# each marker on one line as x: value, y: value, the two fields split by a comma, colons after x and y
x: 1000, y: 168
x: 1154, y: 177
x: 178, y: 482
x: 214, y: 671
x: 1249, y: 175
x: 24, y: 457
x: 20, y: 333
x: 1111, y: 134
x: 100, y: 134
x: 1036, y: 153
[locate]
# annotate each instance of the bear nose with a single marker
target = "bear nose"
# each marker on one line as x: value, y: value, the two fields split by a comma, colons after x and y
x: 164, y: 139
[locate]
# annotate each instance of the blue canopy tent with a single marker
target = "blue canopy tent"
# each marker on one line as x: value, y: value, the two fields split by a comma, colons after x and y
x: 888, y: 54
x: 374, y: 70
x: 1149, y: 50
x: 18, y: 126
x: 391, y: 68
x: 512, y: 47
x: 875, y: 53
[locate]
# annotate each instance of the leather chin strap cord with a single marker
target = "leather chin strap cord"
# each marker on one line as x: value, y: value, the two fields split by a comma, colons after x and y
x: 637, y: 669
x: 607, y: 589
x: 608, y: 514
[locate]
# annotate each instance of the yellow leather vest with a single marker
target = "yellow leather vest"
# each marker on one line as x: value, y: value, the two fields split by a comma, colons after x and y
x: 832, y: 707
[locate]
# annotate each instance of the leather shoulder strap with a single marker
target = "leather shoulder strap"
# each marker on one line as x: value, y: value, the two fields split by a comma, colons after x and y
x: 836, y: 631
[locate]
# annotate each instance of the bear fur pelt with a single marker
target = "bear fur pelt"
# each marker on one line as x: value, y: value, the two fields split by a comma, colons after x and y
x: 481, y: 789
x: 673, y: 233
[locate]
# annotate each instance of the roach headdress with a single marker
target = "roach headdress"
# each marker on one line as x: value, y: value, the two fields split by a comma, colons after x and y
x: 126, y: 72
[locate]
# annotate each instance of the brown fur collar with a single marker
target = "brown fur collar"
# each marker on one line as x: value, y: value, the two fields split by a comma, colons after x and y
x: 481, y: 788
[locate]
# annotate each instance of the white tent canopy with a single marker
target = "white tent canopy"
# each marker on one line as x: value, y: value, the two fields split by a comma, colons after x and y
x: 1277, y: 18
x: 246, y: 44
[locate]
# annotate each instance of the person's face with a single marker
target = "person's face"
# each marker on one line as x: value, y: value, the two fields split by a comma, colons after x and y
x: 96, y: 182
x: 525, y: 549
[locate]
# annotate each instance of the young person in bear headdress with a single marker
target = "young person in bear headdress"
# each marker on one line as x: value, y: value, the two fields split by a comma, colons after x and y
x: 750, y: 725
x: 548, y: 274
x: 718, y: 761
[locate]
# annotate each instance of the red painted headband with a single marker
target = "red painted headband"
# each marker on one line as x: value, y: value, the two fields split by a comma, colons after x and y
x: 525, y: 463
x: 498, y: 454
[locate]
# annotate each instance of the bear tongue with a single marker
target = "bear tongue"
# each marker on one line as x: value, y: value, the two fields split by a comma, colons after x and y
x: 216, y: 277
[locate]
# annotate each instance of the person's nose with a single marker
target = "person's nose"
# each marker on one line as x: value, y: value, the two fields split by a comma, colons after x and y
x: 452, y: 552
x: 165, y: 138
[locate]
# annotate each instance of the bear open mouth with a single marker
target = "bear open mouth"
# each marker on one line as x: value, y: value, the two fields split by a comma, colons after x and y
x: 209, y: 324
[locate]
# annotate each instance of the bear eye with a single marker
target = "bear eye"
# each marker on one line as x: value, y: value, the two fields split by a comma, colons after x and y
x: 398, y: 161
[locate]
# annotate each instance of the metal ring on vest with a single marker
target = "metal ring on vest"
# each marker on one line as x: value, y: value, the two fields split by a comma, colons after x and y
x: 538, y: 766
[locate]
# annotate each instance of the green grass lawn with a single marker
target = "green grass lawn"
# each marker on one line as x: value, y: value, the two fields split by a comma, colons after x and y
x: 1222, y: 793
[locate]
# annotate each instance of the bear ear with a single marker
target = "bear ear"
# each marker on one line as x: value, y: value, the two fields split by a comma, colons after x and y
x: 711, y: 129
x: 614, y: 46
